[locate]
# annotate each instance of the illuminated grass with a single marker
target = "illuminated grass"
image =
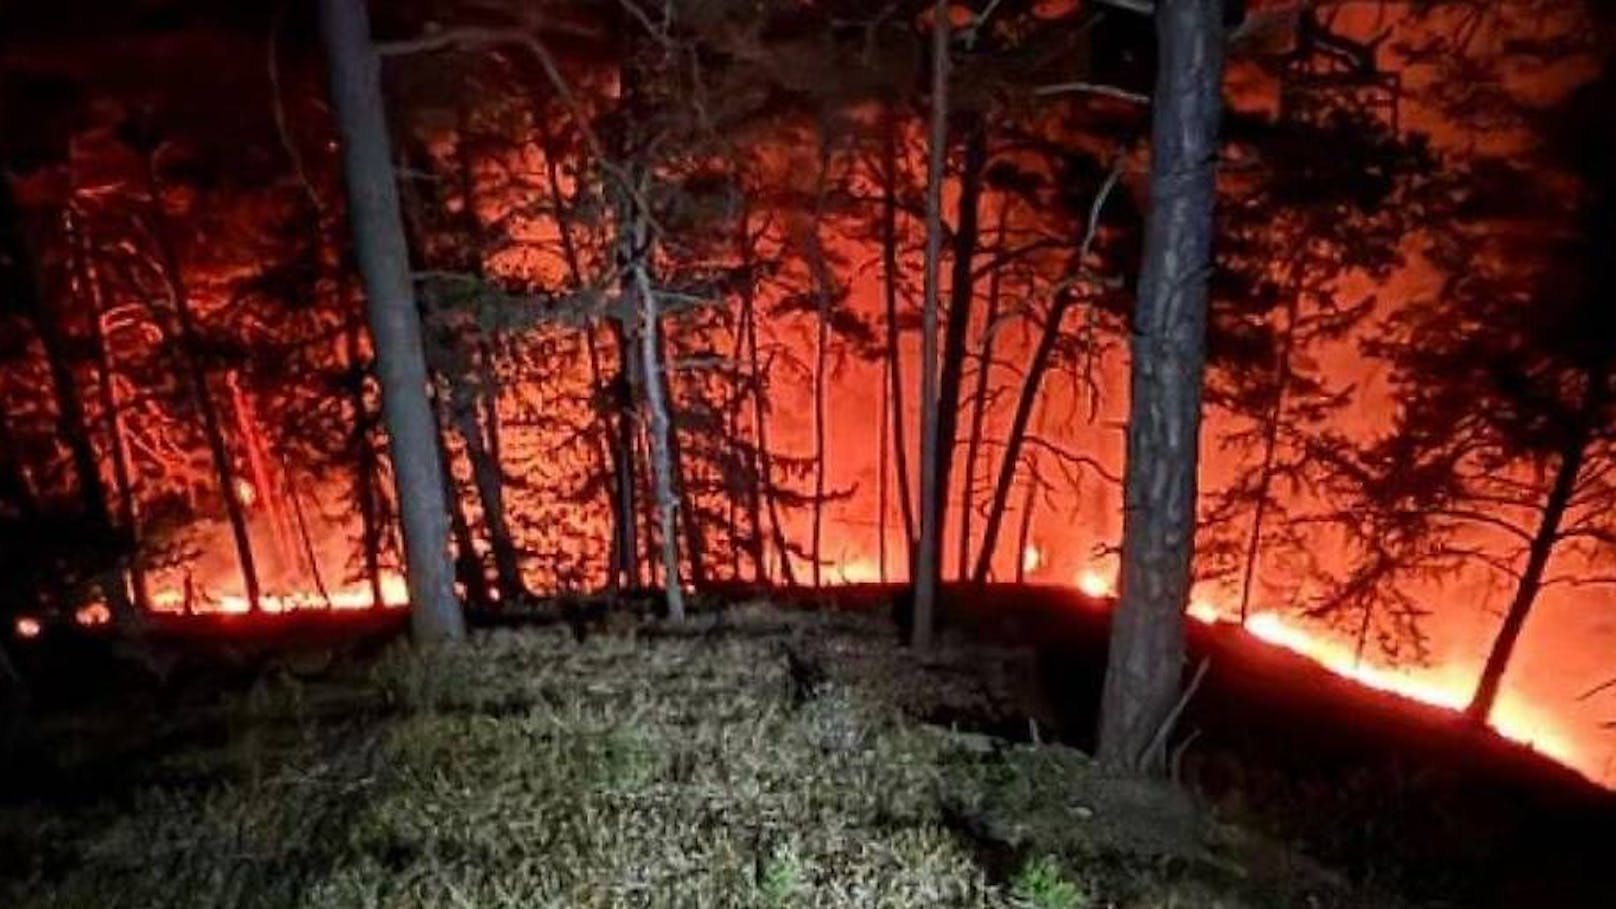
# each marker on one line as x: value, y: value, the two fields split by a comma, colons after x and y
x: 526, y: 770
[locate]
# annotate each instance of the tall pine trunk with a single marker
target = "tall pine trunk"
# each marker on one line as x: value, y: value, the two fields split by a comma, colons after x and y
x: 1168, y: 347
x: 927, y: 564
x: 383, y: 257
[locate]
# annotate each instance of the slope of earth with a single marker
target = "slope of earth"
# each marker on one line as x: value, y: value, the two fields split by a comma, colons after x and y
x: 755, y: 759
x: 1377, y: 786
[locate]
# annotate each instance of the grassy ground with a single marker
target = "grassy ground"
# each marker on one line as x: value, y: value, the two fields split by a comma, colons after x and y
x: 766, y: 760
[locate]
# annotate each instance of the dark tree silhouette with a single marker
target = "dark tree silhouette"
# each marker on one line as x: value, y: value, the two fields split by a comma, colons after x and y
x: 1169, y: 337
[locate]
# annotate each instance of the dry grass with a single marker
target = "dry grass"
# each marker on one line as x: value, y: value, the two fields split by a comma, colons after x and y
x: 690, y: 770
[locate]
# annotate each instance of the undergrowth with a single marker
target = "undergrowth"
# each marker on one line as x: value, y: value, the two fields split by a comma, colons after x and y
x: 527, y: 769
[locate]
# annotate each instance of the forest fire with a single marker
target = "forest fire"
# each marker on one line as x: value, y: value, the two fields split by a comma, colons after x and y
x: 490, y: 311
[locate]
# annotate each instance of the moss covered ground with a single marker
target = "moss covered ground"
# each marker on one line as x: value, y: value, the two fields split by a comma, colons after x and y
x: 758, y: 759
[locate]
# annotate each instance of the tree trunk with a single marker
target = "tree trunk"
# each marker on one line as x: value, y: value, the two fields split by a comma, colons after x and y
x: 889, y: 287
x: 1026, y: 402
x: 1265, y: 476
x: 962, y: 297
x: 824, y: 284
x: 476, y: 403
x: 690, y: 527
x: 89, y: 279
x: 1168, y: 347
x: 1531, y: 582
x: 930, y: 547
x: 71, y: 425
x: 212, y: 426
x: 628, y: 513
x: 760, y: 414
x: 979, y: 408
x: 657, y: 404
x: 467, y: 561
x: 489, y: 481
x: 365, y: 456
x: 383, y: 257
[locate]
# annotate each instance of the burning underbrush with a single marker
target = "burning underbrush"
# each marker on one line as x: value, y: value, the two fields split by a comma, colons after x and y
x: 765, y: 760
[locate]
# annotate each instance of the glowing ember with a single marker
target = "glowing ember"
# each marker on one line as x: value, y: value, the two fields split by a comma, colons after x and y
x: 1093, y: 583
x: 93, y: 615
x: 28, y: 628
x: 1032, y: 559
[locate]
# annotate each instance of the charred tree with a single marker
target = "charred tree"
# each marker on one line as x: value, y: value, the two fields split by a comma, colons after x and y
x: 1146, y: 659
x: 383, y: 258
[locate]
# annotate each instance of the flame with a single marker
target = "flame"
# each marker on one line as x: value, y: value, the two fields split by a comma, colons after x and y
x: 1032, y: 559
x: 93, y: 615
x: 246, y: 493
x: 394, y: 589
x: 1095, y: 584
x: 28, y: 628
x: 1513, y: 719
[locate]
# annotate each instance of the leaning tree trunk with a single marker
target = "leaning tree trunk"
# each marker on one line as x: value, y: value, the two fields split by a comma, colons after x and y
x: 1531, y: 583
x: 212, y: 426
x: 383, y: 257
x: 1168, y: 348
x: 1026, y: 402
x: 930, y: 547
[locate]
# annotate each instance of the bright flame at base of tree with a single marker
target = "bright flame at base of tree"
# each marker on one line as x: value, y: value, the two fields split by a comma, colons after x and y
x: 1095, y: 584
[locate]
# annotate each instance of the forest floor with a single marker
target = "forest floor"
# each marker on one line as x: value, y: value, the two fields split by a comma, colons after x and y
x: 757, y: 757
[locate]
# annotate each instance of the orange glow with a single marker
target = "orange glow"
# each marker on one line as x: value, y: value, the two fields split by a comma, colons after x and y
x: 246, y: 493
x: 858, y: 571
x: 28, y: 628
x: 1093, y: 583
x: 394, y: 589
x: 93, y: 615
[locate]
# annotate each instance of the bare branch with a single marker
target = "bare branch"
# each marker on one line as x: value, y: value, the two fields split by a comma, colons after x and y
x: 1092, y: 88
